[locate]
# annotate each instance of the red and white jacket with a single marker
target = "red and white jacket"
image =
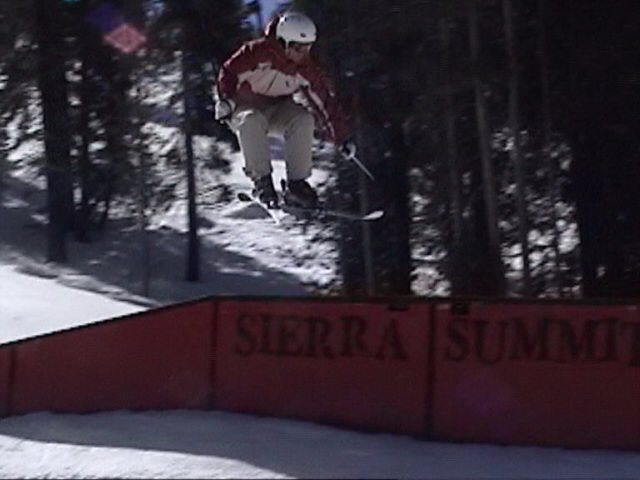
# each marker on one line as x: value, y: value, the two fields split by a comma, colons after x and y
x: 260, y: 73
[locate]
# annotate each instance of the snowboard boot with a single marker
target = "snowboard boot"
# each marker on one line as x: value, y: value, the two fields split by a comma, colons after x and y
x: 263, y: 190
x: 300, y: 194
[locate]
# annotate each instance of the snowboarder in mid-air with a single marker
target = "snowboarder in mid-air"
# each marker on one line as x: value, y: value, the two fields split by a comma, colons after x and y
x: 255, y: 95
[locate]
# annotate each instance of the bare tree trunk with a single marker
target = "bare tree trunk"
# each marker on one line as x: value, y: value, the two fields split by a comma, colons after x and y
x: 131, y: 146
x: 547, y: 126
x: 484, y: 134
x: 367, y: 247
x: 53, y: 90
x: 83, y: 226
x: 514, y: 152
x: 455, y: 193
x: 143, y: 224
x: 193, y: 249
x: 356, y: 247
x: 3, y: 156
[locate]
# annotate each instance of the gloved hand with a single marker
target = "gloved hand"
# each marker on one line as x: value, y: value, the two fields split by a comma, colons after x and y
x: 348, y: 149
x: 224, y: 108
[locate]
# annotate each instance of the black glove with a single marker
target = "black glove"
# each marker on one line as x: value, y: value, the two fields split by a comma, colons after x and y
x: 348, y: 149
x: 224, y: 109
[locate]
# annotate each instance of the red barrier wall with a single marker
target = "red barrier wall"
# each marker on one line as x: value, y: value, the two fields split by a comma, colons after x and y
x: 358, y: 365
x: 155, y: 360
x: 5, y: 367
x: 511, y: 373
x: 539, y: 374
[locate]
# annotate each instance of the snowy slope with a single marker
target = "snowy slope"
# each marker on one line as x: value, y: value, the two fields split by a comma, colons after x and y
x: 185, y: 444
x: 242, y: 251
x: 32, y: 306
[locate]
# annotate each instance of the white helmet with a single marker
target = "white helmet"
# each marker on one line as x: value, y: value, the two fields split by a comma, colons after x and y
x: 296, y: 27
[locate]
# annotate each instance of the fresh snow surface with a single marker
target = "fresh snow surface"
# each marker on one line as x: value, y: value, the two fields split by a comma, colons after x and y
x: 33, y: 306
x: 188, y: 444
x: 244, y: 253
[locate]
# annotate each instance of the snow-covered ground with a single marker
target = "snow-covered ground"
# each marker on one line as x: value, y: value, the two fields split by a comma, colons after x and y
x: 243, y: 253
x: 184, y: 444
x: 30, y: 305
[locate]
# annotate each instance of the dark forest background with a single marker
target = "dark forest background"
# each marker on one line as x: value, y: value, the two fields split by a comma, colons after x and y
x: 503, y: 133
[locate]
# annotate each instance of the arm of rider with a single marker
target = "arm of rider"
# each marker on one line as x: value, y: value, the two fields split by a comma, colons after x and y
x: 224, y: 109
x: 348, y: 149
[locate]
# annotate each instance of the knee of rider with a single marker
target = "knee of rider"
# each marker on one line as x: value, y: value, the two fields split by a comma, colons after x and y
x: 252, y: 121
x: 303, y: 120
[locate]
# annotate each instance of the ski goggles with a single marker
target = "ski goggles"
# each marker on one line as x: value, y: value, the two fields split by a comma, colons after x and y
x: 299, y: 46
